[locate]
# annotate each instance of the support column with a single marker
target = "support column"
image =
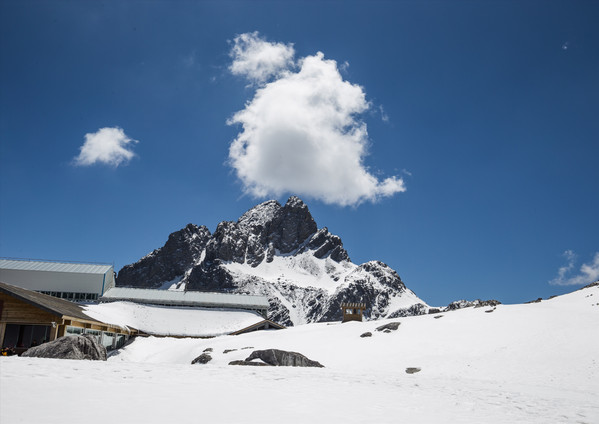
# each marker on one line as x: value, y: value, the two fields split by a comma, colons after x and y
x: 2, y: 332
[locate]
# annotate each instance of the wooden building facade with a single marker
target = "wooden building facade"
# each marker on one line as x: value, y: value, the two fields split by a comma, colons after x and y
x: 353, y: 311
x: 28, y: 318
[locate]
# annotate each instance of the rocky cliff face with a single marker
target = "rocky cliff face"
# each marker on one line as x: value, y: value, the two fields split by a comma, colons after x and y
x: 276, y: 251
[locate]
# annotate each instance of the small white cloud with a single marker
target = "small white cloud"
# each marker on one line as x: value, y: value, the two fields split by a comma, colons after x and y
x: 258, y: 59
x: 589, y: 272
x: 190, y: 60
x: 107, y: 145
x: 384, y: 115
x: 565, y: 46
x: 302, y: 135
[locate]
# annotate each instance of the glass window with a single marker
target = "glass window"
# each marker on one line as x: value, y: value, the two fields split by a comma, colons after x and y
x: 120, y: 340
x: 72, y: 331
x: 107, y: 340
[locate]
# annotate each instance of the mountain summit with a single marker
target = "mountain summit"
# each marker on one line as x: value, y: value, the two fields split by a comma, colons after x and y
x: 276, y: 251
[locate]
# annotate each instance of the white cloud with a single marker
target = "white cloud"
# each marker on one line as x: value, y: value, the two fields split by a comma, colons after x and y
x: 384, y: 116
x: 302, y: 135
x: 258, y: 59
x: 589, y: 272
x: 107, y: 145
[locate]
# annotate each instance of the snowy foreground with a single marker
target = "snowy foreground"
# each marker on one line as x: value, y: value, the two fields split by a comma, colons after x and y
x: 534, y: 363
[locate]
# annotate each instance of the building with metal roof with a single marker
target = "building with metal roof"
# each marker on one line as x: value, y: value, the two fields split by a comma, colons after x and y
x: 187, y: 298
x: 79, y: 282
x: 28, y: 318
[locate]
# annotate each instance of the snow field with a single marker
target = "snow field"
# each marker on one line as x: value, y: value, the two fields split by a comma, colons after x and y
x: 534, y: 363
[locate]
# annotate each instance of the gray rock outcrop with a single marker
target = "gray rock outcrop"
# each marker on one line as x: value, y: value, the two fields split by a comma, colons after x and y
x: 387, y: 328
x: 461, y: 304
x: 70, y: 347
x: 204, y: 358
x: 279, y: 358
x: 248, y: 363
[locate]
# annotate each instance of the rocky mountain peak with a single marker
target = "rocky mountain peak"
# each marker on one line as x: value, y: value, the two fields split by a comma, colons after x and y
x: 260, y: 215
x: 278, y: 251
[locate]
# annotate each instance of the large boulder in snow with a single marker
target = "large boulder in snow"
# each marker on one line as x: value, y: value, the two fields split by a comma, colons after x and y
x: 70, y: 347
x: 387, y: 328
x: 204, y: 358
x: 280, y: 358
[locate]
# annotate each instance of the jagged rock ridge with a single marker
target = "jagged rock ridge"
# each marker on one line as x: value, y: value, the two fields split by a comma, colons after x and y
x: 276, y: 251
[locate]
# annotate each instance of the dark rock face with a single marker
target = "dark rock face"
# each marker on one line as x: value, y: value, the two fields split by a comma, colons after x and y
x: 374, y: 284
x: 282, y: 358
x: 251, y: 364
x: 367, y: 334
x: 491, y: 302
x: 414, y: 310
x: 413, y: 370
x: 387, y: 328
x: 70, y: 347
x: 197, y: 260
x: 204, y: 358
x: 182, y: 249
x: 461, y: 304
x: 259, y: 234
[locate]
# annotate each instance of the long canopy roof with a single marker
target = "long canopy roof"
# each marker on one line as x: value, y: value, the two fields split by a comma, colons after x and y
x: 33, y: 265
x: 185, y: 298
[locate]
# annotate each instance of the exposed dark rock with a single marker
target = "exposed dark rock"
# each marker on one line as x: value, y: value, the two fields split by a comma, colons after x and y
x: 204, y: 358
x: 538, y: 300
x: 252, y: 364
x: 208, y: 349
x: 461, y: 304
x: 210, y: 276
x: 182, y: 249
x: 70, y: 347
x: 367, y: 334
x: 434, y: 310
x: 282, y: 358
x: 414, y: 310
x: 413, y: 370
x: 229, y: 350
x: 387, y: 328
x: 438, y: 316
x: 482, y: 303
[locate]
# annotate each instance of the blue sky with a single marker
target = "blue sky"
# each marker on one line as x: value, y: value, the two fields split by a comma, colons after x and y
x: 486, y: 113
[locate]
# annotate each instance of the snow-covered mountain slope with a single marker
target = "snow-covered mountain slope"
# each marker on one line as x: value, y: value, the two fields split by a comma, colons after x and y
x: 531, y: 363
x: 276, y: 251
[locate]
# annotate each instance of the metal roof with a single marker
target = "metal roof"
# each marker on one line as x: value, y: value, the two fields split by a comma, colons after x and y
x: 189, y: 298
x: 29, y: 265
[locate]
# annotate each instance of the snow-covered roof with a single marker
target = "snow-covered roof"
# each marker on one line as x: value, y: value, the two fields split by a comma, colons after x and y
x: 33, y: 265
x: 172, y: 320
x: 185, y: 298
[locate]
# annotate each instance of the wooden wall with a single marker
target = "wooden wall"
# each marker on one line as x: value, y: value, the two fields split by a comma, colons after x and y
x: 18, y: 312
